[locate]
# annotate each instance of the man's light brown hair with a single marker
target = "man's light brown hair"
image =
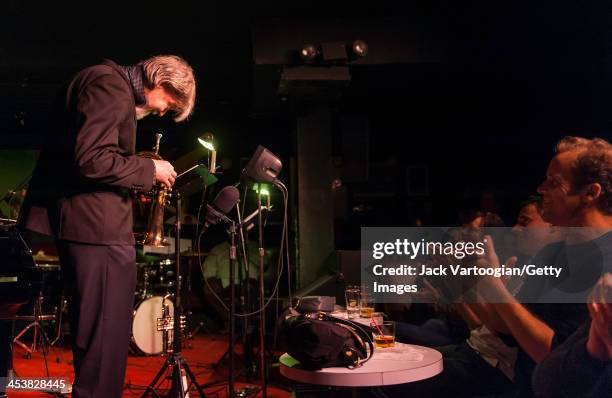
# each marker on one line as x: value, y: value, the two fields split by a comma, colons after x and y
x: 176, y: 77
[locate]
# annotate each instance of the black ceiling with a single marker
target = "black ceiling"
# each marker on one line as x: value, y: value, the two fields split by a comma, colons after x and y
x: 536, y: 59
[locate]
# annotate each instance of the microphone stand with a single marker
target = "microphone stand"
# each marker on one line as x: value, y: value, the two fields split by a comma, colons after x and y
x: 246, y: 224
x: 176, y: 360
x: 218, y: 216
x: 232, y: 261
x: 245, y: 294
x: 262, y: 315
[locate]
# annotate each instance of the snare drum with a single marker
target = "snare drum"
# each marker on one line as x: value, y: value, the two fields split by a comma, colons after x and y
x: 146, y: 339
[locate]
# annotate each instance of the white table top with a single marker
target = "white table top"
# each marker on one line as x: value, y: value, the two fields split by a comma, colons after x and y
x: 403, y: 363
x: 343, y: 315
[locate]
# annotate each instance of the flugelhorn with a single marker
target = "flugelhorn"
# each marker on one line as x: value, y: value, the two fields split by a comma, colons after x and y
x: 154, y: 235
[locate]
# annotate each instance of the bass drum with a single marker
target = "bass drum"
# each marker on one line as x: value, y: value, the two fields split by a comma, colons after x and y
x: 146, y: 339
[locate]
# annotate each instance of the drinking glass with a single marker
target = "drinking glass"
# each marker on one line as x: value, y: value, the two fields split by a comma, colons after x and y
x: 352, y: 295
x: 384, y: 334
x: 366, y: 302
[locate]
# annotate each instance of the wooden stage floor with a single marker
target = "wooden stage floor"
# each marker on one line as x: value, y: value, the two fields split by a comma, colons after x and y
x: 206, y: 350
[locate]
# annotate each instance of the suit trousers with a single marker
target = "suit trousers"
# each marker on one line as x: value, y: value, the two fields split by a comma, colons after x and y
x: 5, y: 346
x: 100, y: 281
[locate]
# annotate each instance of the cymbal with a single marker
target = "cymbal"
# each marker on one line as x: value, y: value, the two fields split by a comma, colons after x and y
x: 42, y: 256
x: 191, y: 253
x: 48, y: 267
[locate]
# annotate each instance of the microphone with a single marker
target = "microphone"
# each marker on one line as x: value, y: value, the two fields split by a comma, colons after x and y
x: 227, y: 198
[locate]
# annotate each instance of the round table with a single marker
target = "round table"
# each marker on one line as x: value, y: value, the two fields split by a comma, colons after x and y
x: 388, y: 366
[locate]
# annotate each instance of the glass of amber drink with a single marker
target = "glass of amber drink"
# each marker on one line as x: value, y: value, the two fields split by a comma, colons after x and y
x: 384, y: 334
x: 366, y: 302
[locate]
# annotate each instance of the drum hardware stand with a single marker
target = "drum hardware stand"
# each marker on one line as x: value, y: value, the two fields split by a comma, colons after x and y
x: 12, y: 373
x: 176, y: 361
x: 60, y: 315
x: 38, y: 331
x: 145, y: 285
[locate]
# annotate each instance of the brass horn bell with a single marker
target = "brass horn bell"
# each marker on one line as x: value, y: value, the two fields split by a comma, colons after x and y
x: 154, y: 234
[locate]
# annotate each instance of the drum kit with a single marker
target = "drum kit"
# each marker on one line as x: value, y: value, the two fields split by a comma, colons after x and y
x: 152, y: 315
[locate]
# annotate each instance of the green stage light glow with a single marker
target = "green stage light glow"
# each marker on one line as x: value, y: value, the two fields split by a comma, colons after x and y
x: 265, y: 191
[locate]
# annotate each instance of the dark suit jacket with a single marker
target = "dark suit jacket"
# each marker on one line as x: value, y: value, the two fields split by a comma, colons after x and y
x: 80, y: 188
x: 570, y: 371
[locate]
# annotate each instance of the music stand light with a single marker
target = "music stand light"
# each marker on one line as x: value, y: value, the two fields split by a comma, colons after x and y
x: 206, y: 140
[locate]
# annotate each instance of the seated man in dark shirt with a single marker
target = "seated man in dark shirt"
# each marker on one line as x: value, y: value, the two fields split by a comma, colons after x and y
x: 577, y: 193
x: 582, y: 365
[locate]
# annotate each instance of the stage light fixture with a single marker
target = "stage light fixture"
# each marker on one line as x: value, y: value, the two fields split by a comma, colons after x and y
x: 360, y: 48
x: 309, y: 53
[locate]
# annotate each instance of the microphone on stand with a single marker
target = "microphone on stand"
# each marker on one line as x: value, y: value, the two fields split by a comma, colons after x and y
x: 226, y: 199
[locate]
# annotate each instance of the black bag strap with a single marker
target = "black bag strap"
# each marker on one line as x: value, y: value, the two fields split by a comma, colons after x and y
x: 356, y: 329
